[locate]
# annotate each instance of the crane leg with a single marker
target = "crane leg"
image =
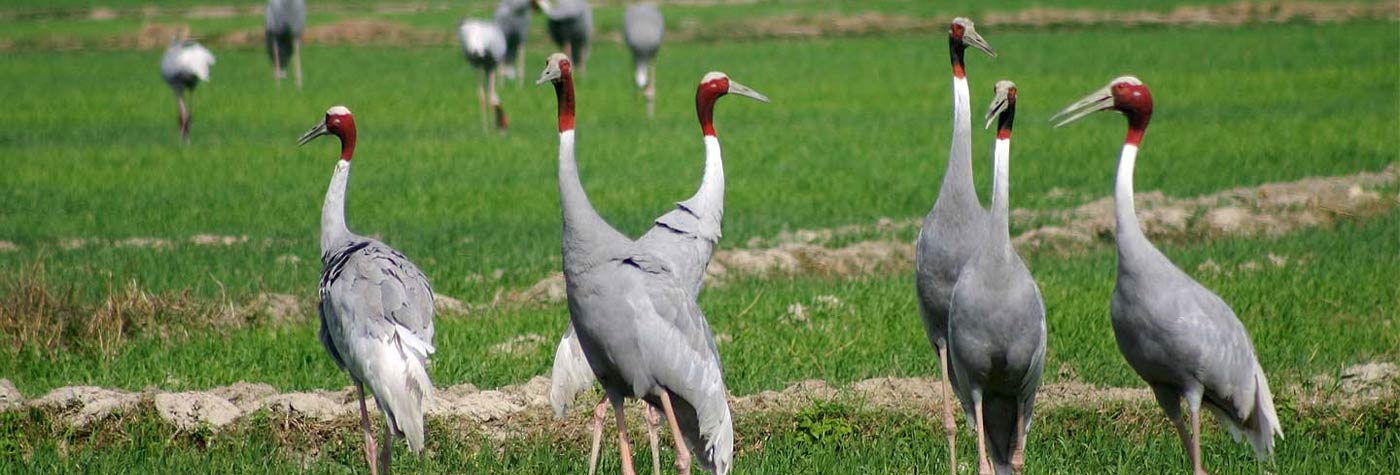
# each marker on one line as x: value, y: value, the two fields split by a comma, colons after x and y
x: 276, y: 62
x: 582, y: 60
x: 481, y: 103
x: 599, y: 412
x: 650, y: 91
x: 1170, y: 401
x: 386, y: 451
x: 501, y: 123
x: 682, y: 453
x: 1018, y: 455
x: 652, y: 422
x: 184, y: 117
x: 296, y: 61
x: 370, y: 447
x: 1193, y: 402
x: 950, y: 426
x: 983, y: 466
x: 520, y: 66
x: 624, y: 448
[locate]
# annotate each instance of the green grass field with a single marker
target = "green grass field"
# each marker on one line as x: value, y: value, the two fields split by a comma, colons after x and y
x: 857, y: 130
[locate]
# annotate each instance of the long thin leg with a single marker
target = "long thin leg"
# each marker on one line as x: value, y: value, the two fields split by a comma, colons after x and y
x: 1193, y: 403
x: 650, y: 91
x: 501, y: 122
x: 599, y: 411
x: 1018, y: 456
x: 184, y: 117
x: 652, y: 421
x: 386, y: 451
x: 983, y: 466
x: 682, y: 453
x: 1170, y: 401
x: 276, y: 62
x: 370, y: 447
x: 481, y: 101
x: 296, y: 60
x: 950, y: 426
x: 520, y: 66
x: 624, y: 448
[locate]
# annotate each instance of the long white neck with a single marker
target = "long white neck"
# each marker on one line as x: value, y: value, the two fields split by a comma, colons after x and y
x: 957, y: 180
x: 1001, y: 184
x: 585, y: 231
x: 333, y: 230
x: 1129, y: 235
x: 708, y: 201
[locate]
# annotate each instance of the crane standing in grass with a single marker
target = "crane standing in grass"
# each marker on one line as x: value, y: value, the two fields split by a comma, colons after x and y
x: 185, y: 64
x: 996, y: 322
x: 376, y: 311
x: 955, y: 225
x: 642, y: 29
x: 283, y: 26
x: 513, y: 18
x: 485, y: 48
x: 1180, y: 337
x: 685, y: 237
x: 637, y: 322
x: 570, y: 25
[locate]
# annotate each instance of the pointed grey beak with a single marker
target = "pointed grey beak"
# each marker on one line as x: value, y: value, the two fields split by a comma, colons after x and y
x: 317, y: 131
x: 972, y: 38
x: 999, y: 103
x: 740, y: 89
x: 550, y: 73
x: 1100, y: 100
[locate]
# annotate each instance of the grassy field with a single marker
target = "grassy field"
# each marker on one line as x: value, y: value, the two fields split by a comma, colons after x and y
x: 857, y: 130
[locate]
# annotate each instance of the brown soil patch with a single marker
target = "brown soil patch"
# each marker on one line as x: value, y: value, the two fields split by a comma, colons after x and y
x: 7, y: 246
x: 10, y: 398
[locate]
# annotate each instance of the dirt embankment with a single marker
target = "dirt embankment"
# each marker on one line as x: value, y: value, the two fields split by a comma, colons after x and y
x: 374, y: 29
x: 1270, y: 209
x: 524, y: 408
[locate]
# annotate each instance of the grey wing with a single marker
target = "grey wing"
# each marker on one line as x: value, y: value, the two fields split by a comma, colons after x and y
x: 407, y: 295
x: 677, y: 237
x: 1224, y: 360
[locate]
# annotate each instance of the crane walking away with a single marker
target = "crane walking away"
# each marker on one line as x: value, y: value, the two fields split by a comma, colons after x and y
x: 996, y: 323
x: 638, y: 325
x: 185, y: 64
x: 513, y: 18
x: 955, y: 225
x: 1180, y: 337
x: 570, y: 25
x: 685, y: 237
x: 285, y: 21
x: 642, y: 30
x: 376, y: 311
x: 484, y: 46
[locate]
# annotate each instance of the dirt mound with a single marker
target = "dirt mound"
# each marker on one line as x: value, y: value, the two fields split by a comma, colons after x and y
x: 1353, y: 386
x: 7, y: 246
x: 217, y: 240
x: 10, y: 398
x: 192, y: 410
x: 83, y: 405
x: 275, y: 309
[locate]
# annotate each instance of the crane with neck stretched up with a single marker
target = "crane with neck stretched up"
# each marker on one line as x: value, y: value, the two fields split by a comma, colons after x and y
x: 996, y: 322
x: 637, y: 322
x: 1180, y: 337
x: 376, y: 311
x: 955, y: 225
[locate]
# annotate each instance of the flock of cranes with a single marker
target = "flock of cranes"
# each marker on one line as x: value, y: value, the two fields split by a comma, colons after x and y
x: 636, y: 329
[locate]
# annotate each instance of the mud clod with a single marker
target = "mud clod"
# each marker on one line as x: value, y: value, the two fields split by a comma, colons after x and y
x: 193, y: 410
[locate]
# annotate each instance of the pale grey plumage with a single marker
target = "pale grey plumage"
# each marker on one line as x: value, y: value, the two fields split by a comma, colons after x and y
x: 636, y: 321
x: 282, y: 27
x: 1180, y: 337
x: 570, y: 26
x: 484, y: 46
x: 184, y: 65
x: 642, y: 29
x: 996, y: 320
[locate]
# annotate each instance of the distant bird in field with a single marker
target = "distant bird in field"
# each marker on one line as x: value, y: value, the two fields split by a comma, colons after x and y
x: 376, y: 311
x: 1180, y: 337
x: 640, y: 329
x: 185, y: 65
x: 513, y: 18
x: 286, y: 19
x: 485, y: 48
x: 956, y: 224
x: 570, y: 25
x: 642, y: 29
x: 996, y: 323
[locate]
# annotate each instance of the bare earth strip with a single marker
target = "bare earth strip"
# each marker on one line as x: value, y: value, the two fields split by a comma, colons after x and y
x: 374, y: 30
x: 523, y: 408
x: 1270, y: 209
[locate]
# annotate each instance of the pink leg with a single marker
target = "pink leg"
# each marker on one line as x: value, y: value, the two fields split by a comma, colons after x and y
x: 599, y: 412
x: 950, y: 426
x: 984, y: 467
x: 682, y: 453
x: 370, y: 447
x: 624, y: 448
x: 652, y: 422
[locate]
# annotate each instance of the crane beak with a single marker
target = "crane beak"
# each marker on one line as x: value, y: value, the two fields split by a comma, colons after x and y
x: 1101, y: 99
x: 550, y: 74
x: 740, y: 89
x: 973, y: 39
x: 1000, y: 103
x: 317, y: 131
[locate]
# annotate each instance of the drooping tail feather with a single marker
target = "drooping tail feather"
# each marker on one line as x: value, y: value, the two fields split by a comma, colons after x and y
x: 712, y: 441
x: 571, y: 374
x: 1261, y: 424
x: 405, y: 386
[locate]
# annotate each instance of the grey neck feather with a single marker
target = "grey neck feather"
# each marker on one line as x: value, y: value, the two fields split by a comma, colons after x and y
x: 708, y: 201
x: 957, y: 180
x: 333, y: 230
x: 587, y: 237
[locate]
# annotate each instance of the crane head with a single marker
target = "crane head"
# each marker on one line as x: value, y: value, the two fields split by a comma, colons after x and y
x: 555, y: 68
x: 1126, y: 94
x: 961, y: 32
x: 1004, y: 102
x: 716, y: 84
x: 338, y: 122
